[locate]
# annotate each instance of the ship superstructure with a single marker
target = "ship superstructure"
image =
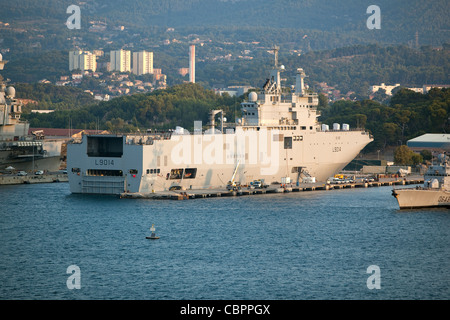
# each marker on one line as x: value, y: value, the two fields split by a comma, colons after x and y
x: 435, y: 191
x: 278, y: 139
x: 18, y: 149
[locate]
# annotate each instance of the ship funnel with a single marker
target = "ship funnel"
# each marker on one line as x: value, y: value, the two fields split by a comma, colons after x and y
x: 299, y: 82
x: 212, y: 122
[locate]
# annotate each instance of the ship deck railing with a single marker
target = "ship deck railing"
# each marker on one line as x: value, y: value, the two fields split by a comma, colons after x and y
x: 420, y: 188
x: 350, y: 129
x: 148, y: 138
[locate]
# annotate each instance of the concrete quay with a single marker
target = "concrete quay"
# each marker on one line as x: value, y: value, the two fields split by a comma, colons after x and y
x: 9, y: 179
x: 275, y: 188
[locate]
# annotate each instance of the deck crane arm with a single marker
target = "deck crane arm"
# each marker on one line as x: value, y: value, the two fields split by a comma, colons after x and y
x: 231, y: 183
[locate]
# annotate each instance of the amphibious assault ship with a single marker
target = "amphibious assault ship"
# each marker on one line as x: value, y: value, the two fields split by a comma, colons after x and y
x: 18, y: 149
x: 435, y: 191
x: 277, y: 140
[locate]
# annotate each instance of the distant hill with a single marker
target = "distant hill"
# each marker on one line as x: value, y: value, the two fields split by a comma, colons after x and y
x: 352, y: 68
x: 400, y: 19
x: 329, y: 38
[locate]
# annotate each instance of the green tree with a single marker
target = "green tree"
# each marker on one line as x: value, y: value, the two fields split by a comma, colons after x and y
x: 390, y: 133
x: 403, y: 118
x: 416, y: 158
x: 323, y: 101
x: 403, y: 155
x: 426, y: 155
x: 380, y: 95
x: 361, y: 120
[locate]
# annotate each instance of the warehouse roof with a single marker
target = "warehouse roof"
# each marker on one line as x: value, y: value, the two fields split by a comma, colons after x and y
x: 431, y: 140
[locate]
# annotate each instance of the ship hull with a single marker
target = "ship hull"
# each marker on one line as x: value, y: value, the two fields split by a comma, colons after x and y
x: 18, y: 149
x: 207, y: 161
x: 26, y: 164
x: 21, y: 157
x: 421, y: 198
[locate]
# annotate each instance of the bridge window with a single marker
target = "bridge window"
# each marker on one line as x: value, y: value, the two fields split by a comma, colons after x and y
x: 288, y: 142
x: 104, y: 173
x: 104, y: 146
x: 176, y: 174
x: 190, y: 173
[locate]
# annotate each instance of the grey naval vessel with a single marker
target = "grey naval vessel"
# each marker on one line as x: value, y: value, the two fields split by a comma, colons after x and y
x: 435, y: 191
x: 278, y: 140
x: 20, y: 150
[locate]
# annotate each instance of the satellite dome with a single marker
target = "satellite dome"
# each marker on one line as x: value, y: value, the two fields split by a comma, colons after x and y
x: 11, y: 92
x: 252, y: 96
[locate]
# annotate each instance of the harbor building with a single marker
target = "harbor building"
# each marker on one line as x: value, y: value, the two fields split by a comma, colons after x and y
x: 142, y: 62
x: 120, y: 60
x: 430, y: 141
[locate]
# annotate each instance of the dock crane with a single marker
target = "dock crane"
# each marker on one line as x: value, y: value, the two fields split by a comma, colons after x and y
x: 232, y: 185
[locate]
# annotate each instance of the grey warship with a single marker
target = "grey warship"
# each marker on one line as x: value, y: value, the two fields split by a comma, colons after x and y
x: 20, y: 150
x: 435, y: 192
x: 278, y: 140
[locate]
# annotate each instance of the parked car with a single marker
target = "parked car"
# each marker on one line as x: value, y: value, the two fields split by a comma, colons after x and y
x: 257, y: 184
x: 21, y: 173
x: 39, y: 172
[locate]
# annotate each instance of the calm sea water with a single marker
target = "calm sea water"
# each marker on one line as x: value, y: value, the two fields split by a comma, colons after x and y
x: 309, y: 245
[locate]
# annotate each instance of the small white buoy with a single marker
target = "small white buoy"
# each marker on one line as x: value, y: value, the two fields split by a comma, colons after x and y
x: 153, y: 235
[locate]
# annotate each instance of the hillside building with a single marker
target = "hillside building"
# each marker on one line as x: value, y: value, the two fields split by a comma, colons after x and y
x: 424, y: 89
x: 120, y: 60
x: 428, y: 87
x: 386, y: 88
x: 82, y: 60
x: 142, y: 62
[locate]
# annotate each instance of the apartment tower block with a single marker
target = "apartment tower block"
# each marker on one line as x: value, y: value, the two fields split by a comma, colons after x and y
x: 120, y: 60
x: 142, y: 62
